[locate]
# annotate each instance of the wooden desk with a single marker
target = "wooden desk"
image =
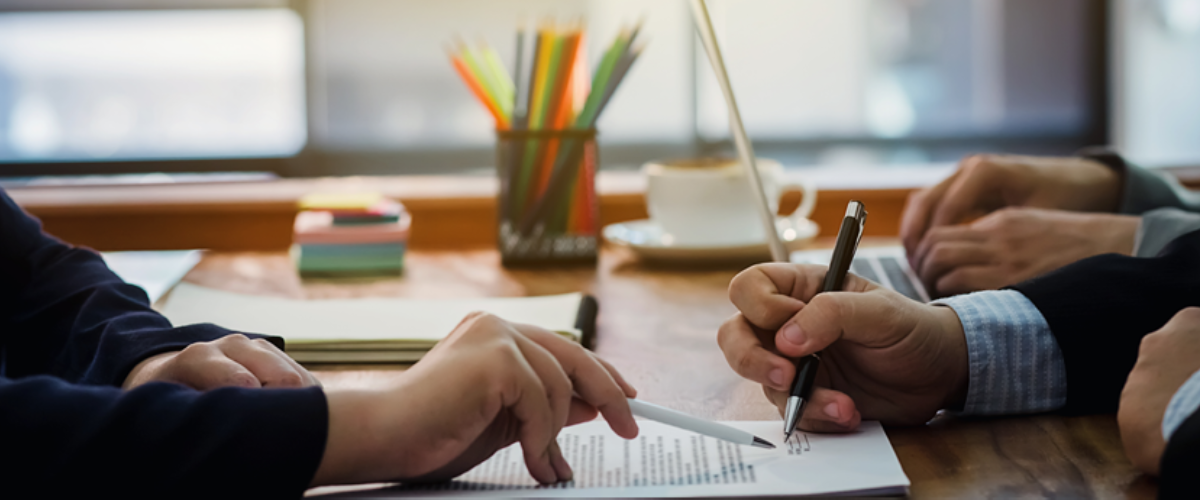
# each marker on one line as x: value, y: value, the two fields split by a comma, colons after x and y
x: 658, y: 327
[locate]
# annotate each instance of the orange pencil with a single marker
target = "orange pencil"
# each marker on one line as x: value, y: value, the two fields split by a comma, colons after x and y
x: 477, y: 89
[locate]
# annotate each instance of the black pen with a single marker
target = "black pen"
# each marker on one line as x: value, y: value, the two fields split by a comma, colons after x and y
x: 843, y: 254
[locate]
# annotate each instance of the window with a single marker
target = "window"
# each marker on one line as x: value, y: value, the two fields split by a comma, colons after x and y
x: 151, y: 84
x: 364, y: 86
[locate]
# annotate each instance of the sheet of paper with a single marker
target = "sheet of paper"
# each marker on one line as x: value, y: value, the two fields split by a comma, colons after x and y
x: 887, y: 266
x: 667, y: 462
x: 367, y: 319
x: 156, y: 272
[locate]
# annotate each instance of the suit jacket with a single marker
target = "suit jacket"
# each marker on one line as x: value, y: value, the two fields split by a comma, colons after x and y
x: 70, y: 332
x: 1168, y: 209
x: 1099, y: 309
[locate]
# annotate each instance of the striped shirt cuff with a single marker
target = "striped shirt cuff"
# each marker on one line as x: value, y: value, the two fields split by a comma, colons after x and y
x: 1015, y: 363
x: 1183, y: 404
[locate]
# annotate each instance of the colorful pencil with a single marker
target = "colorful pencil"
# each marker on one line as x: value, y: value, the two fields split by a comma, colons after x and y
x: 550, y: 199
x: 548, y: 180
x: 477, y: 88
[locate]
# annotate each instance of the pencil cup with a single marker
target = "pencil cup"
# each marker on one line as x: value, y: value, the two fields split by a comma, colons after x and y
x: 547, y: 209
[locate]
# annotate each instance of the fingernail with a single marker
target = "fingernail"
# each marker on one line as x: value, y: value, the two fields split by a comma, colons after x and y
x: 776, y: 377
x: 831, y: 409
x: 792, y: 333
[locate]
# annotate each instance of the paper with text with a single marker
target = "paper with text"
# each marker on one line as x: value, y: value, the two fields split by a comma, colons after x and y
x: 667, y: 462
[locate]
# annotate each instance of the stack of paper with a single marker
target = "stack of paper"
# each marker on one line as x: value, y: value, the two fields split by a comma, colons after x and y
x: 154, y: 271
x: 362, y: 330
x: 355, y: 233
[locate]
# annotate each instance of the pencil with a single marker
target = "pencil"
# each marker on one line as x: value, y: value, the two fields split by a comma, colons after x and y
x: 509, y: 171
x: 562, y: 66
x: 482, y: 76
x: 477, y: 89
x: 500, y: 75
x: 571, y: 155
x: 537, y: 79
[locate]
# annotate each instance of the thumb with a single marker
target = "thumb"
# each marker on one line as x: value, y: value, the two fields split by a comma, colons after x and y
x: 876, y: 318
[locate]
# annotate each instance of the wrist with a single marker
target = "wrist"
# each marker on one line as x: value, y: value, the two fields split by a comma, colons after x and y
x: 1119, y: 233
x: 142, y: 372
x: 955, y: 359
x: 350, y: 440
x: 1111, y: 173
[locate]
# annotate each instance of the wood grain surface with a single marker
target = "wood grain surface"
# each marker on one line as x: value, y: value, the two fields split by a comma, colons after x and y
x: 658, y: 327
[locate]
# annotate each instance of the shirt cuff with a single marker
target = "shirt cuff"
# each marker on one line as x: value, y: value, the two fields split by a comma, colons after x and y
x: 1183, y: 404
x: 1014, y: 362
x: 1158, y: 228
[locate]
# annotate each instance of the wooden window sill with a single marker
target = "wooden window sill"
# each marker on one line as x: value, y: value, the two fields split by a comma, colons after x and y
x: 449, y: 212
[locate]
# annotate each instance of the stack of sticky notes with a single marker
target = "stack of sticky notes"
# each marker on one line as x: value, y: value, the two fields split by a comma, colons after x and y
x: 350, y: 233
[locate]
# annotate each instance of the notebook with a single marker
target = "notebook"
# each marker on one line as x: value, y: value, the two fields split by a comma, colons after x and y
x: 370, y: 330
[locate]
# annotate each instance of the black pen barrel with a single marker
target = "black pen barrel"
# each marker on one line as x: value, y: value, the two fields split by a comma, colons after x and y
x: 835, y: 277
x: 806, y: 375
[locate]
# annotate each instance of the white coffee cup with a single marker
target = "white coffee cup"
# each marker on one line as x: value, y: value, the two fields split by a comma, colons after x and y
x: 709, y: 202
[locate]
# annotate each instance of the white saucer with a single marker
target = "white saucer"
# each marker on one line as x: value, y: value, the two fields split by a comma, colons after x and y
x: 648, y: 240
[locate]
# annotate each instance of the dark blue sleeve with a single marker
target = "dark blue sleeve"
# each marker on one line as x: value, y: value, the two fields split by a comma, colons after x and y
x: 70, y: 331
x: 64, y: 313
x: 1180, y: 461
x: 159, y: 440
x: 1099, y: 309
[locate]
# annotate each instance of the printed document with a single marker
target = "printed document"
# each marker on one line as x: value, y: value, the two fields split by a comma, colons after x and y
x: 664, y: 461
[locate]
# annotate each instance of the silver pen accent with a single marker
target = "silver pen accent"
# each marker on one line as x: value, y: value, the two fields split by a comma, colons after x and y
x: 792, y: 416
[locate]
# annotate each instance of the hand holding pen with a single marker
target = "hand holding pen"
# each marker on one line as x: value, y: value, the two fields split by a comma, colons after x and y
x: 806, y: 367
x: 883, y: 356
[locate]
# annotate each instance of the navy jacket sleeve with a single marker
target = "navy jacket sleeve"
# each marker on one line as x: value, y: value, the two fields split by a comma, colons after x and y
x: 64, y: 313
x: 1100, y: 308
x: 1180, y: 461
x: 70, y: 332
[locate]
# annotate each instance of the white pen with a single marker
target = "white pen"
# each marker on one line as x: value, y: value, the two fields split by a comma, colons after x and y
x: 695, y: 424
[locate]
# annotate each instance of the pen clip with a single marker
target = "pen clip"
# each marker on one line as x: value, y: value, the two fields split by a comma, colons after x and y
x: 862, y: 223
x: 858, y: 211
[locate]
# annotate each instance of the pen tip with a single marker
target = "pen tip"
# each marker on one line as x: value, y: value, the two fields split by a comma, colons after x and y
x: 763, y: 443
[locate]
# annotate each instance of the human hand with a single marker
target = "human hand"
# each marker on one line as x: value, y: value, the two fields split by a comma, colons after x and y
x: 1012, y: 245
x: 985, y: 183
x: 1166, y: 359
x: 488, y: 384
x: 230, y: 361
x: 885, y: 357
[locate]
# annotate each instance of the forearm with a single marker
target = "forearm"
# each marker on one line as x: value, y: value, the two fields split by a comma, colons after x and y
x: 159, y: 439
x: 68, y: 315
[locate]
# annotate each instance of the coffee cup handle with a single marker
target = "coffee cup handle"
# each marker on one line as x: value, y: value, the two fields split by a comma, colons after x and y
x: 809, y: 200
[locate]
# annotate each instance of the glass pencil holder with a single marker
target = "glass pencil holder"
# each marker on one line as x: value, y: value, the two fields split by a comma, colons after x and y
x: 547, y: 210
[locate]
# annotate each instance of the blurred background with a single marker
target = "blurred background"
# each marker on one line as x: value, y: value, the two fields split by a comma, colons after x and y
x: 346, y: 87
